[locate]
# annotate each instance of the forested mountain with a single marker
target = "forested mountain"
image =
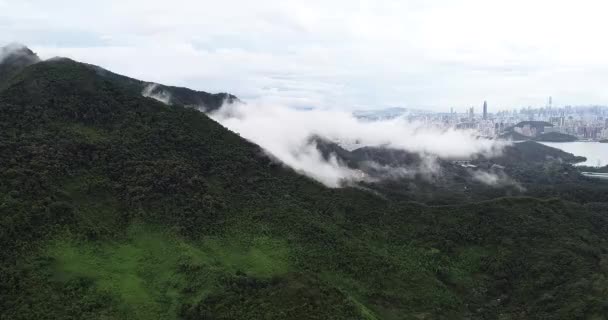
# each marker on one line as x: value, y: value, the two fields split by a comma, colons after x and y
x: 539, y: 127
x: 14, y: 58
x: 117, y: 206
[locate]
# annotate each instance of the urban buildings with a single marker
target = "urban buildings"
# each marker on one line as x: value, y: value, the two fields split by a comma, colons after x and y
x: 583, y: 122
x: 485, y: 110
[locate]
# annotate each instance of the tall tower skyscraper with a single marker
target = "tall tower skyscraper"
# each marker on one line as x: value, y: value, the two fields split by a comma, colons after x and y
x: 485, y: 110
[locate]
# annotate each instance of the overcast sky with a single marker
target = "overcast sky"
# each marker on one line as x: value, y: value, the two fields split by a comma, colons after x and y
x: 343, y: 53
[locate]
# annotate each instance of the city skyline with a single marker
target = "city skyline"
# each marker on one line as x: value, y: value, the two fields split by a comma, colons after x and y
x: 492, y: 109
x: 581, y: 122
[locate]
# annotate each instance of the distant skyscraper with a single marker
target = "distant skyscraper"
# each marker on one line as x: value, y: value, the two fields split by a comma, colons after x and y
x: 485, y: 110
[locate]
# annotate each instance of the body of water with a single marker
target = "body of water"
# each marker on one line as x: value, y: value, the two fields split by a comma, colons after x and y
x: 595, y: 152
x: 596, y: 175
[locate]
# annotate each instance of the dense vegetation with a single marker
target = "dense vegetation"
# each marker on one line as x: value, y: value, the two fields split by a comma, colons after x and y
x: 539, y: 126
x: 174, y: 95
x: 556, y: 137
x: 523, y: 169
x: 116, y: 206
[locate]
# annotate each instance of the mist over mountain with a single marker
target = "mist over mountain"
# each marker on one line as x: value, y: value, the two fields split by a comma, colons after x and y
x: 125, y: 199
x: 285, y: 133
x: 13, y: 59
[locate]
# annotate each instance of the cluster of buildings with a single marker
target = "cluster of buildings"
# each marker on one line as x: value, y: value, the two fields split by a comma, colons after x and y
x: 583, y: 122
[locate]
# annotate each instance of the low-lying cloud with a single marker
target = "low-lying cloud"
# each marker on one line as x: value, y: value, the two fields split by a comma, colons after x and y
x: 285, y: 134
x: 495, y: 179
x: 16, y: 49
x: 153, y: 91
x: 9, y: 50
x: 427, y: 168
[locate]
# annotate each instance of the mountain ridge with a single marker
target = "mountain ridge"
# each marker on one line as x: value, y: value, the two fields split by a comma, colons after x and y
x: 15, y: 58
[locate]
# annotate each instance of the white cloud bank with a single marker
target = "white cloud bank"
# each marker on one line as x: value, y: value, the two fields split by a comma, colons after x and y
x: 285, y: 134
x: 496, y: 179
x: 358, y: 54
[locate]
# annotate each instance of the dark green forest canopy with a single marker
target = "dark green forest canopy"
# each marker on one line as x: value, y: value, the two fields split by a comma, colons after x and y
x: 116, y: 206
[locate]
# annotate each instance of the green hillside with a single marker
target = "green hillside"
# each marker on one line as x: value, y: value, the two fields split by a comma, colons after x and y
x: 175, y: 95
x: 556, y: 137
x: 116, y: 206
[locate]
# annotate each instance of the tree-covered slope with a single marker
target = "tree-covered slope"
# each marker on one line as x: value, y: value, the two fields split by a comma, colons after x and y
x: 521, y: 169
x: 556, y: 137
x: 115, y: 206
x: 169, y: 94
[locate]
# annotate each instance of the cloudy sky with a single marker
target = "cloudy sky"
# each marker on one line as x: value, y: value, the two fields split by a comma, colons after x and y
x: 336, y: 53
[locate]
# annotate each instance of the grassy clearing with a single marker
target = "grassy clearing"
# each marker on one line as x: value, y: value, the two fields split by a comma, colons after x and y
x: 89, y: 134
x: 152, y: 272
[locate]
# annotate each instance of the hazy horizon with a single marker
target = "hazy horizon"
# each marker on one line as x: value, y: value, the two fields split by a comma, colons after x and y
x: 339, y: 54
